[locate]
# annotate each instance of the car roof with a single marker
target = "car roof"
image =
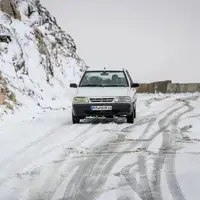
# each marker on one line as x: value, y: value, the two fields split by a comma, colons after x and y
x: 104, y: 68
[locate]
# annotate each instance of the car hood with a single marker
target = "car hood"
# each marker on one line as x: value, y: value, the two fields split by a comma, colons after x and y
x: 102, y: 91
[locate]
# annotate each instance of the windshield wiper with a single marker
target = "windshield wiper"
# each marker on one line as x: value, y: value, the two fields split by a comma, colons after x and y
x: 114, y: 85
x: 98, y: 85
x: 91, y: 85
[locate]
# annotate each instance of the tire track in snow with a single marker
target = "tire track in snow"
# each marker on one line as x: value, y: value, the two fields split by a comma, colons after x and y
x: 82, y: 136
x: 159, y: 160
x: 88, y: 169
x: 52, y: 188
x: 87, y: 187
x: 130, y: 179
x: 148, y: 118
x: 93, y: 189
x: 20, y: 164
x: 75, y: 142
x: 85, y: 184
x: 90, y: 177
x: 49, y: 194
x: 170, y: 159
x: 146, y: 193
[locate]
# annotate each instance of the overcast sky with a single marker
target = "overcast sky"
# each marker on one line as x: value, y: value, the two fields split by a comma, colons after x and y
x: 155, y: 40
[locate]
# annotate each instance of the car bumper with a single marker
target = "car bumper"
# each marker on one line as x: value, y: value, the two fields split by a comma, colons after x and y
x: 118, y: 109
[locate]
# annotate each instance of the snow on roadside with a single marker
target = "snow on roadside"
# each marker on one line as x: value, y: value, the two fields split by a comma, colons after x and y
x: 17, y: 134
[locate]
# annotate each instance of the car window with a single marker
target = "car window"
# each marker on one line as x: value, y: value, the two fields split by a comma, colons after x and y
x: 104, y: 78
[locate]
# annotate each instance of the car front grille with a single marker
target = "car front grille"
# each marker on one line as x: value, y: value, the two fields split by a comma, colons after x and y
x: 101, y: 100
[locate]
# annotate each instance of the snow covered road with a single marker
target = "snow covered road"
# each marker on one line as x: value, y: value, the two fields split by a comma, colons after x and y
x: 156, y: 158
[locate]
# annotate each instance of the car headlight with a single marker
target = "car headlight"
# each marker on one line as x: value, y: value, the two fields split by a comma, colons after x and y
x: 80, y: 100
x: 123, y: 99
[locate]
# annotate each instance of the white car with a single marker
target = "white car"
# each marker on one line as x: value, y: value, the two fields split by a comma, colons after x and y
x: 104, y: 93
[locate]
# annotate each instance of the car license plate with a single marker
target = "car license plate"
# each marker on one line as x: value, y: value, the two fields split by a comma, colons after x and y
x: 101, y: 107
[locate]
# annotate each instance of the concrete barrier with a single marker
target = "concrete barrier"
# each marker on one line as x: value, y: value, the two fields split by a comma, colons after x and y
x: 183, y: 87
x: 168, y: 87
x: 192, y: 87
x: 198, y: 87
x: 146, y: 88
x: 171, y: 88
x: 161, y: 86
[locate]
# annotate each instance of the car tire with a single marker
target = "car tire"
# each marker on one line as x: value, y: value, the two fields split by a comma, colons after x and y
x: 75, y: 119
x: 109, y: 116
x: 134, y: 113
x: 130, y: 118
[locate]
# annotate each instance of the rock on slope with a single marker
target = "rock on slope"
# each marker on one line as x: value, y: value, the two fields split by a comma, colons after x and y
x: 37, y: 58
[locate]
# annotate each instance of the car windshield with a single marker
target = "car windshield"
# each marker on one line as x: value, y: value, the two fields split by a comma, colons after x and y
x: 104, y: 79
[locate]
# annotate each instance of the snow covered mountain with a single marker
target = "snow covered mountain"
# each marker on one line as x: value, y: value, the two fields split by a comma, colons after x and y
x: 37, y: 58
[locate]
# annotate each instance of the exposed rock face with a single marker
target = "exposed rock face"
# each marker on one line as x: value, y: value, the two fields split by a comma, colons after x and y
x: 9, y: 7
x: 7, y: 97
x: 2, y: 90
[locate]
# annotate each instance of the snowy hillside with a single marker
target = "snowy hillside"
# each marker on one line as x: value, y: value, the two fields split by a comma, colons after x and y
x: 37, y: 58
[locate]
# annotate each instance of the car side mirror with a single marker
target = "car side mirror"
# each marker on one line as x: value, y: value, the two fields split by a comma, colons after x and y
x: 73, y: 85
x: 135, y: 85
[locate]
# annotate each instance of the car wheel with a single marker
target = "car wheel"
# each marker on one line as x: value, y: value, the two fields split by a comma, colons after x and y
x: 130, y: 118
x: 75, y: 119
